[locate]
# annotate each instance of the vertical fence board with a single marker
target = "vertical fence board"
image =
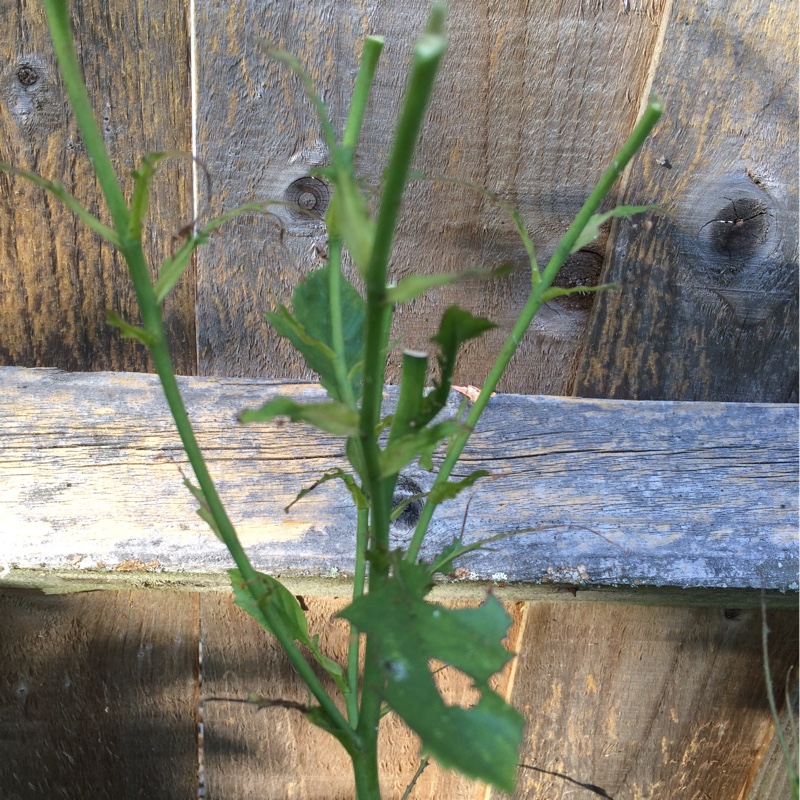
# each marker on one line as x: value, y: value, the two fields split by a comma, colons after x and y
x: 276, y: 753
x: 646, y: 701
x: 56, y: 277
x: 708, y: 305
x: 531, y: 102
x: 98, y: 695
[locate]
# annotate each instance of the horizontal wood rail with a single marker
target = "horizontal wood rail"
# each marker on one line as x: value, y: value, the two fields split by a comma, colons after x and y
x: 602, y: 493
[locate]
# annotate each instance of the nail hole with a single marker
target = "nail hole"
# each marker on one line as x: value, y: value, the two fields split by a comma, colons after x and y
x: 310, y: 195
x: 732, y: 613
x: 27, y: 75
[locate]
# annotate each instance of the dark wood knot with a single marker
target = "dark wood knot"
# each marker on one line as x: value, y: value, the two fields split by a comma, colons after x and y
x: 27, y: 75
x: 309, y: 198
x: 405, y: 489
x: 740, y: 227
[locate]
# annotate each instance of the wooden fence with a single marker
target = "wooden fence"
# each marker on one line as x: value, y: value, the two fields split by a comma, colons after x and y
x: 660, y: 416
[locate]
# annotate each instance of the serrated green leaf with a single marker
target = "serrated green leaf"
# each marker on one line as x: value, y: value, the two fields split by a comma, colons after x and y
x: 333, y: 417
x: 421, y: 444
x: 414, y: 285
x: 311, y: 307
x: 310, y: 330
x: 451, y: 489
x: 336, y: 474
x: 592, y: 229
x: 444, y: 561
x: 456, y: 327
x: 482, y: 741
x: 141, y: 192
x: 131, y: 331
x: 285, y: 604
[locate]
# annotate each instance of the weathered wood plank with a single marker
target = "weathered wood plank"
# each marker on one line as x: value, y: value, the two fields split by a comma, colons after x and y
x: 708, y: 308
x: 277, y: 753
x: 56, y: 278
x: 614, y: 493
x: 98, y: 695
x: 771, y: 781
x: 646, y: 702
x: 533, y: 100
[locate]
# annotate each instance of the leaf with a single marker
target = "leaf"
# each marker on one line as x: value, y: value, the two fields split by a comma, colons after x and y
x: 482, y: 741
x: 592, y: 229
x: 310, y: 330
x: 422, y: 443
x: 141, y: 192
x: 457, y: 326
x: 414, y: 285
x: 204, y: 512
x: 131, y: 331
x: 444, y: 561
x: 281, y: 600
x: 336, y: 474
x: 172, y: 268
x: 335, y: 418
x: 451, y: 489
x: 559, y: 291
x: 312, y: 309
x: 285, y: 604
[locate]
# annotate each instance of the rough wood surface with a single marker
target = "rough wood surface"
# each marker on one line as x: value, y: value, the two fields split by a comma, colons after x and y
x: 771, y: 782
x: 646, y: 702
x: 57, y: 278
x: 610, y: 492
x: 708, y: 308
x: 532, y: 102
x: 98, y: 695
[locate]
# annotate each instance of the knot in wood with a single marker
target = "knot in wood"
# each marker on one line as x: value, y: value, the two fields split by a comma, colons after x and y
x: 27, y: 75
x: 308, y: 198
x: 405, y: 489
x: 740, y: 227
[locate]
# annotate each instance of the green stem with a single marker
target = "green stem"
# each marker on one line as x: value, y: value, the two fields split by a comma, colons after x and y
x: 428, y: 52
x: 58, y: 19
x: 354, y: 644
x: 627, y: 151
x: 131, y: 249
x: 337, y: 327
x: 373, y: 45
x: 412, y: 389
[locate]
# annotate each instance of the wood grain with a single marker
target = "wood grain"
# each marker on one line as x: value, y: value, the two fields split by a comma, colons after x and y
x: 771, y: 781
x: 599, y: 492
x: 708, y: 308
x: 56, y: 278
x: 276, y: 753
x: 532, y: 101
x: 646, y: 702
x: 98, y: 695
